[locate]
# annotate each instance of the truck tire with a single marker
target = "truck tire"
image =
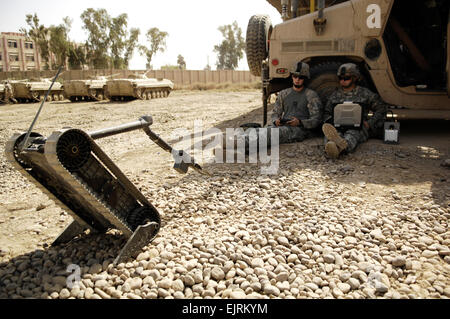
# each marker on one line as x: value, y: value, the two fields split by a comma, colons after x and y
x: 324, y: 79
x: 257, y: 45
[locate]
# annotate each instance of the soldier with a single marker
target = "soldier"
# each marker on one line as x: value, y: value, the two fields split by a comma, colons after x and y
x: 9, y: 93
x: 347, y: 140
x: 297, y: 111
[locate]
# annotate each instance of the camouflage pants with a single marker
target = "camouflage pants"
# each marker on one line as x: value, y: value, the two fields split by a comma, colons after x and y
x: 354, y: 138
x: 286, y: 134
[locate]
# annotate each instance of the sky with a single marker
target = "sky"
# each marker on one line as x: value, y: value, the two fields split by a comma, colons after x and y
x: 192, y: 25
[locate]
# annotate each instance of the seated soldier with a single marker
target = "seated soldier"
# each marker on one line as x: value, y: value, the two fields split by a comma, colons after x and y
x: 297, y: 111
x: 346, y: 139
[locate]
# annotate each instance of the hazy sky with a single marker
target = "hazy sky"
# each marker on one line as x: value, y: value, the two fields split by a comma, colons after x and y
x: 192, y: 25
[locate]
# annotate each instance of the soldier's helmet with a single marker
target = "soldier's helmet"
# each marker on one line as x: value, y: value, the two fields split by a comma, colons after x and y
x: 348, y: 68
x: 300, y: 69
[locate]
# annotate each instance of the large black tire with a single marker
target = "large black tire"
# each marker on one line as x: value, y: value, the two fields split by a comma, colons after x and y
x: 324, y: 79
x: 257, y: 45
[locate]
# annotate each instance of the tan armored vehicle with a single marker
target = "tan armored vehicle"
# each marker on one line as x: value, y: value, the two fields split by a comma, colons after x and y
x: 35, y: 90
x: 400, y: 46
x: 137, y: 87
x: 85, y: 90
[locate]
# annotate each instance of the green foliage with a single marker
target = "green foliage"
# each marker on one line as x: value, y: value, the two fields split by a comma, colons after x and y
x: 169, y: 67
x: 77, y: 56
x: 157, y: 40
x: 96, y: 23
x: 231, y: 50
x: 181, y: 63
x: 39, y: 34
x: 109, y: 43
x: 59, y: 42
x: 50, y: 40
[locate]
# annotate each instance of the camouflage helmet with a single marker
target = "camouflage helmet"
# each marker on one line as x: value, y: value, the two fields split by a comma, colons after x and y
x: 300, y: 69
x: 348, y: 68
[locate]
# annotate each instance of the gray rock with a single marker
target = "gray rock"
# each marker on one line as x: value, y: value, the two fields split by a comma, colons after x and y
x: 257, y: 262
x: 217, y: 273
x: 178, y: 285
x: 271, y: 290
x: 354, y: 283
x: 328, y: 258
x: 399, y: 261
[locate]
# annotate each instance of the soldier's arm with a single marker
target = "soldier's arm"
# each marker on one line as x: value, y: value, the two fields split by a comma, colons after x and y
x: 278, y: 108
x: 315, y: 110
x: 378, y: 107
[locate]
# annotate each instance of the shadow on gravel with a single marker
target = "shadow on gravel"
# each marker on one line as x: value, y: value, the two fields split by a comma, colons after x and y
x: 46, y: 270
x: 417, y: 159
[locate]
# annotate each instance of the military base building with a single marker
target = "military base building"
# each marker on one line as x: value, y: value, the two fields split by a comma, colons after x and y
x: 17, y: 53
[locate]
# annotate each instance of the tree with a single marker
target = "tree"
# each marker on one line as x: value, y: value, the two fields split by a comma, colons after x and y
x: 59, y: 42
x: 181, y: 63
x: 231, y: 50
x: 97, y: 24
x: 109, y: 42
x: 39, y: 34
x: 157, y: 40
x: 52, y: 41
x: 131, y: 44
x: 77, y: 56
x: 122, y: 42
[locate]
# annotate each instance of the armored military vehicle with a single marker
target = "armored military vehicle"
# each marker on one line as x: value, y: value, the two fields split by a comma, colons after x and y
x: 85, y: 90
x: 137, y: 87
x: 35, y: 90
x: 400, y: 46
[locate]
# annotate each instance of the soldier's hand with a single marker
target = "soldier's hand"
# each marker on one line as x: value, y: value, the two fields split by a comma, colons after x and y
x: 294, y: 122
x: 277, y: 122
x: 366, y: 124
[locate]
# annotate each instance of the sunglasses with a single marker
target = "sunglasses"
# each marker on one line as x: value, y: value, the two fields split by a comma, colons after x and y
x: 345, y: 78
x: 299, y: 77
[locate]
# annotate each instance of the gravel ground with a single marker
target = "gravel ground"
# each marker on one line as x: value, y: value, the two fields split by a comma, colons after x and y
x: 371, y: 225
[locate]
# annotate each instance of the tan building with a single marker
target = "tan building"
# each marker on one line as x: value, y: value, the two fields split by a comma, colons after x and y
x: 18, y: 54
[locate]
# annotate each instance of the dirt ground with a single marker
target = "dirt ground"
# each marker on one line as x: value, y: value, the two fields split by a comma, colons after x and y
x: 412, y: 170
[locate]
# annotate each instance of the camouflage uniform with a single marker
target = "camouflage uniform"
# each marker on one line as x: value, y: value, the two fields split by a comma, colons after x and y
x: 369, y: 101
x: 304, y: 105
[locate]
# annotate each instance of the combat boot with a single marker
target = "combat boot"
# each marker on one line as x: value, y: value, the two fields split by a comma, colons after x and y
x: 336, y: 144
x: 332, y: 150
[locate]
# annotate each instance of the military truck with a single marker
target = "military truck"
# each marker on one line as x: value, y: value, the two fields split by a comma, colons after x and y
x: 85, y: 90
x: 400, y: 46
x: 137, y: 87
x: 34, y: 90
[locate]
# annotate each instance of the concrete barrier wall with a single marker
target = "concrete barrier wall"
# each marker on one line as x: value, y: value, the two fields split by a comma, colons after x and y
x: 179, y: 77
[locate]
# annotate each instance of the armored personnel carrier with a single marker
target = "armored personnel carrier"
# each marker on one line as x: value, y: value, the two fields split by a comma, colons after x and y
x: 137, y: 87
x: 85, y: 90
x: 400, y: 46
x: 35, y: 90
